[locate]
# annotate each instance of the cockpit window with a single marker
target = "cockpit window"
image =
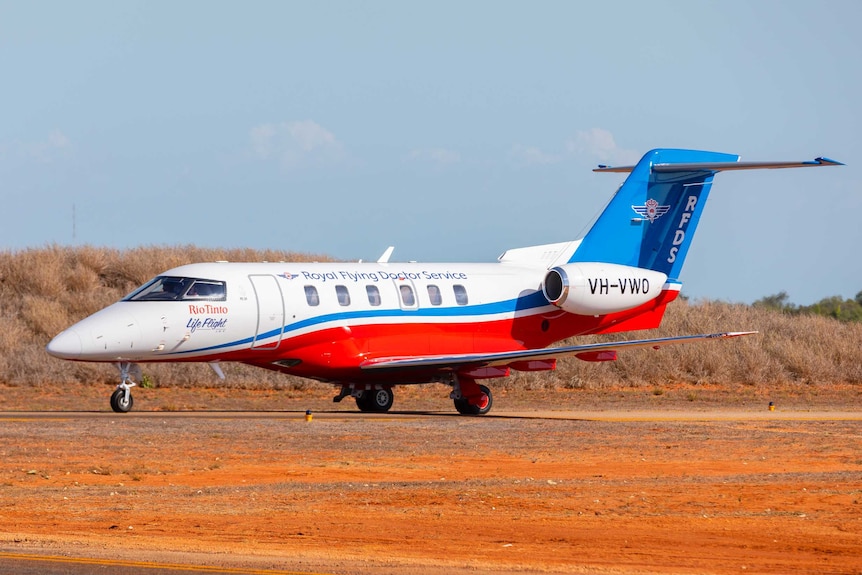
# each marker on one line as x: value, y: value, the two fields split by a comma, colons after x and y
x: 173, y: 288
x: 206, y: 289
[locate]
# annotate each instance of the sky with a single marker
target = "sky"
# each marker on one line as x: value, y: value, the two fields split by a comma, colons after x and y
x: 451, y: 130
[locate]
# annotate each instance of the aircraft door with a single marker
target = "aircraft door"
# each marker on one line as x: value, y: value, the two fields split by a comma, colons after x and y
x: 270, y: 311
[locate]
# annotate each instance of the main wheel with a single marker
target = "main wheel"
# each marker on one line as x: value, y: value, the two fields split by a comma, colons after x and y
x: 119, y: 402
x: 464, y: 407
x: 375, y: 400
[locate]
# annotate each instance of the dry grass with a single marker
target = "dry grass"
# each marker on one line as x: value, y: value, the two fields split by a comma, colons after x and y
x: 789, y: 349
x: 44, y: 290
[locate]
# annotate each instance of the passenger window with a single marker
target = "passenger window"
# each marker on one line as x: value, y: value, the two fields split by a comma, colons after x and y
x: 460, y: 294
x: 373, y: 295
x: 407, y: 296
x: 343, y: 295
x: 311, y: 296
x: 434, y: 295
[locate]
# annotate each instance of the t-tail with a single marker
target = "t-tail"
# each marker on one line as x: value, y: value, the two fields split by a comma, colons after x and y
x: 635, y: 250
x: 650, y: 222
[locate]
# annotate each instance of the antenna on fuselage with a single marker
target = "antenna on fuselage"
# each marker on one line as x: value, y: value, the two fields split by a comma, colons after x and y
x: 384, y: 259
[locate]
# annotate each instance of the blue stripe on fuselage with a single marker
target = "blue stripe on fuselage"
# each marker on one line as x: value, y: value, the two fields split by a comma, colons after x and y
x: 532, y: 301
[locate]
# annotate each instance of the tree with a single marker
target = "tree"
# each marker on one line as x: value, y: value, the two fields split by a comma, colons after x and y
x: 835, y: 306
x: 776, y: 301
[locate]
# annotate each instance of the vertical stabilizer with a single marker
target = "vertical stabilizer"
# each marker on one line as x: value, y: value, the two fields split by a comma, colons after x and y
x: 652, y: 218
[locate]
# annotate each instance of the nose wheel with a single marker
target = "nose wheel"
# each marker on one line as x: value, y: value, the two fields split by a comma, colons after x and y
x: 122, y: 400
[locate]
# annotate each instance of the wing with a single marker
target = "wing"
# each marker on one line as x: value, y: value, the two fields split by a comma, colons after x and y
x: 503, y: 358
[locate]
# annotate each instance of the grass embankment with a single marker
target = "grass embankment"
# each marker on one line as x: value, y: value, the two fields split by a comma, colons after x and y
x: 43, y: 291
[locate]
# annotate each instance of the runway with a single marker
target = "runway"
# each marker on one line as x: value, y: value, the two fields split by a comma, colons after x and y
x: 429, y: 492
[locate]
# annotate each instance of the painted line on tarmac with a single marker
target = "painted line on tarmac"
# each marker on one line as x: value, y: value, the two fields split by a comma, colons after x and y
x: 300, y: 416
x: 149, y: 566
x: 293, y: 418
x: 681, y: 416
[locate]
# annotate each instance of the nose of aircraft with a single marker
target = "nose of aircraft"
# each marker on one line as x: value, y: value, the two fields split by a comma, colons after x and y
x: 112, y: 334
x: 67, y: 345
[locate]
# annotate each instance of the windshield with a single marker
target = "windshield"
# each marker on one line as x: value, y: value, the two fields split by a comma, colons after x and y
x: 173, y: 288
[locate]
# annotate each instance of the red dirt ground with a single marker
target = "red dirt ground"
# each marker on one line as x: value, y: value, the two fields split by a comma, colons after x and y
x: 544, y: 489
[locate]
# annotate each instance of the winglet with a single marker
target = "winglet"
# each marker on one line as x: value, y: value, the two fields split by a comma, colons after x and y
x: 384, y: 258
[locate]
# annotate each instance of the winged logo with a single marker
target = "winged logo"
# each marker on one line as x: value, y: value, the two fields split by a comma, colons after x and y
x: 651, y: 210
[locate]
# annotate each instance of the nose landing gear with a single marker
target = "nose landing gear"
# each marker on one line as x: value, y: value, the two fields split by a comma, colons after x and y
x: 122, y: 400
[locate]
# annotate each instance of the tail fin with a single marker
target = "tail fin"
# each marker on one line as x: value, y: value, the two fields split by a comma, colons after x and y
x: 651, y: 220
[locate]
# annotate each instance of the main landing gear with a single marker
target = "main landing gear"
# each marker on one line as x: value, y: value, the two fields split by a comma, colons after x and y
x: 368, y: 400
x: 375, y: 400
x: 470, y: 398
x: 122, y: 400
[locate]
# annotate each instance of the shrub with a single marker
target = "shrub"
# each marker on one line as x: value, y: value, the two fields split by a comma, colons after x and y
x: 43, y: 291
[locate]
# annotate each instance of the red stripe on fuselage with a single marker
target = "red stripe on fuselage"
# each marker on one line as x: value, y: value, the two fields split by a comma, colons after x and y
x: 335, y: 353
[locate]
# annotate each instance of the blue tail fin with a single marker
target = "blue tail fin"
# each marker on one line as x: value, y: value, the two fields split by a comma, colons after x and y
x: 651, y: 220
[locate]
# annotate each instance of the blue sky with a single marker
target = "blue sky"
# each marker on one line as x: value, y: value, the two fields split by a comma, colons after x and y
x: 452, y: 130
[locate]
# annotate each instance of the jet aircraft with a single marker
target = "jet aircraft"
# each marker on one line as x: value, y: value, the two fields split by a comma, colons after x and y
x: 367, y: 327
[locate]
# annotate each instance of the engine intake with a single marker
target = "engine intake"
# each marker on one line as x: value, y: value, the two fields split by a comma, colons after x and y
x: 594, y: 288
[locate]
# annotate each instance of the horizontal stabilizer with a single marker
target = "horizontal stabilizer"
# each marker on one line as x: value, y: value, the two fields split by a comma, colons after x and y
x: 505, y: 358
x: 721, y: 166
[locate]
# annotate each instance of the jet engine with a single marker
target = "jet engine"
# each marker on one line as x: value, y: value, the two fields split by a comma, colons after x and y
x: 595, y: 288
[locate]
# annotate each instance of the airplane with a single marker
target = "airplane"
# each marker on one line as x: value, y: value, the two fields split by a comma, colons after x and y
x: 366, y: 327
